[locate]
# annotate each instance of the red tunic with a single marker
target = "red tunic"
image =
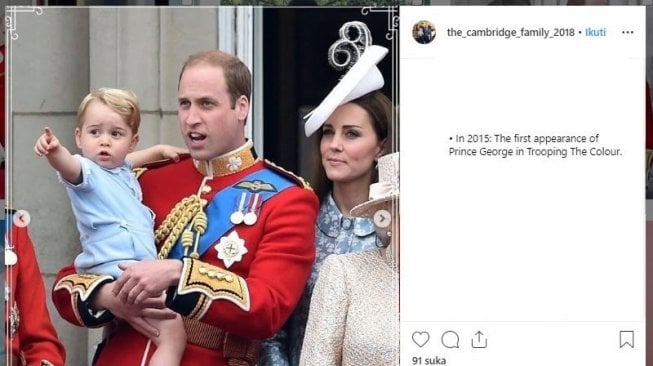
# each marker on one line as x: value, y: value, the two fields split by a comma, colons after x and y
x: 250, y: 300
x: 31, y: 336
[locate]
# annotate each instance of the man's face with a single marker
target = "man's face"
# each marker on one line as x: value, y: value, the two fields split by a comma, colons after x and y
x: 209, y: 125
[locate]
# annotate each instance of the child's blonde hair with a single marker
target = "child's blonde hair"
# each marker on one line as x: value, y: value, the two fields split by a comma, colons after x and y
x: 124, y: 102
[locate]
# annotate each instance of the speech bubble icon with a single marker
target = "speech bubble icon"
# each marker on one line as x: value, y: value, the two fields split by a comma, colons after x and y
x: 450, y: 339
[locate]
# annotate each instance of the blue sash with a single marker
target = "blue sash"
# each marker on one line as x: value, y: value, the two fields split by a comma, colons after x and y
x: 219, y: 210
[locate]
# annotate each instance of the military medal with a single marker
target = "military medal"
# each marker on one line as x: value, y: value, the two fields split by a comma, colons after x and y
x: 238, y: 216
x: 10, y: 257
x: 250, y: 218
x: 252, y: 210
x: 231, y: 249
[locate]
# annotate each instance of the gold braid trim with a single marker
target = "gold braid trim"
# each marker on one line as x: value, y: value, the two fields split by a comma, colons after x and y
x: 189, y: 240
x: 213, y: 282
x: 288, y: 174
x: 174, y: 224
x: 138, y: 172
x: 199, y: 225
x: 81, y: 284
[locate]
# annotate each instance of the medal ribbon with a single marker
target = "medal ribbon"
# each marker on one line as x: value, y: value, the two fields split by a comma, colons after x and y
x: 219, y: 222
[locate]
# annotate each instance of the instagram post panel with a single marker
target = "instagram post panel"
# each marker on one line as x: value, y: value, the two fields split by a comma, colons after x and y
x: 191, y: 185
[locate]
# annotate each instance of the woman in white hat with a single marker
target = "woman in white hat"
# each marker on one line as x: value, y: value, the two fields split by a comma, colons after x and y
x: 354, y: 316
x: 353, y: 124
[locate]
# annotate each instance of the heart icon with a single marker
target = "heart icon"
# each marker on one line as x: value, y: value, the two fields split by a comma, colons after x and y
x: 421, y: 338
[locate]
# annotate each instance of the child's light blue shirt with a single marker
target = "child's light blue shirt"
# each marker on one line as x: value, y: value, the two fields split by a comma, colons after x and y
x: 113, y: 224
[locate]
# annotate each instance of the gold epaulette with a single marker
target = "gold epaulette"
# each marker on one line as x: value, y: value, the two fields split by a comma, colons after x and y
x: 288, y: 174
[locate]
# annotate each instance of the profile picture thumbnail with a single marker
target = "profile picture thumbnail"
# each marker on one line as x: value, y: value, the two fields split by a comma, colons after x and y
x: 424, y: 32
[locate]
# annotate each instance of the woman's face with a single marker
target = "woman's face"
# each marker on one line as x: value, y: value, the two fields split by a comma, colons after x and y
x: 349, y: 145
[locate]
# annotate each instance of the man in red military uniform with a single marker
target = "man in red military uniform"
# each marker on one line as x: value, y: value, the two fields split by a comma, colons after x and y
x: 235, y: 237
x: 30, y: 338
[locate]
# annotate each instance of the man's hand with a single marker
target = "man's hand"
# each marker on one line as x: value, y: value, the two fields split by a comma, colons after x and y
x: 146, y: 279
x: 133, y: 314
x: 46, y: 142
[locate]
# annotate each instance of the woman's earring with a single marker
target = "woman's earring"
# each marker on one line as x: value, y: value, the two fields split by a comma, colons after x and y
x: 389, y: 234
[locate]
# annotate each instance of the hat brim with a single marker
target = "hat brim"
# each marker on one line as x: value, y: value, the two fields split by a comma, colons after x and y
x: 349, y: 88
x: 367, y: 209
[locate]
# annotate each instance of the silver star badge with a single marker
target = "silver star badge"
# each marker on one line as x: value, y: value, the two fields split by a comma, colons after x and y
x: 231, y: 249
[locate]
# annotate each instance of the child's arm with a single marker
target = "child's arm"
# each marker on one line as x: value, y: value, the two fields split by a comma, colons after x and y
x: 154, y: 153
x: 58, y: 156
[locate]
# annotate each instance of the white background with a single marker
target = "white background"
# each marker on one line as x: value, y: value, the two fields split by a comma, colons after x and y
x: 545, y: 255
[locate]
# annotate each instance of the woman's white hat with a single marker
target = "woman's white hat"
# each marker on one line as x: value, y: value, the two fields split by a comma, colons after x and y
x: 364, y: 77
x: 387, y: 189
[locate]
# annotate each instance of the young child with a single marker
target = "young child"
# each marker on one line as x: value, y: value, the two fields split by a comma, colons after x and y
x: 115, y: 227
